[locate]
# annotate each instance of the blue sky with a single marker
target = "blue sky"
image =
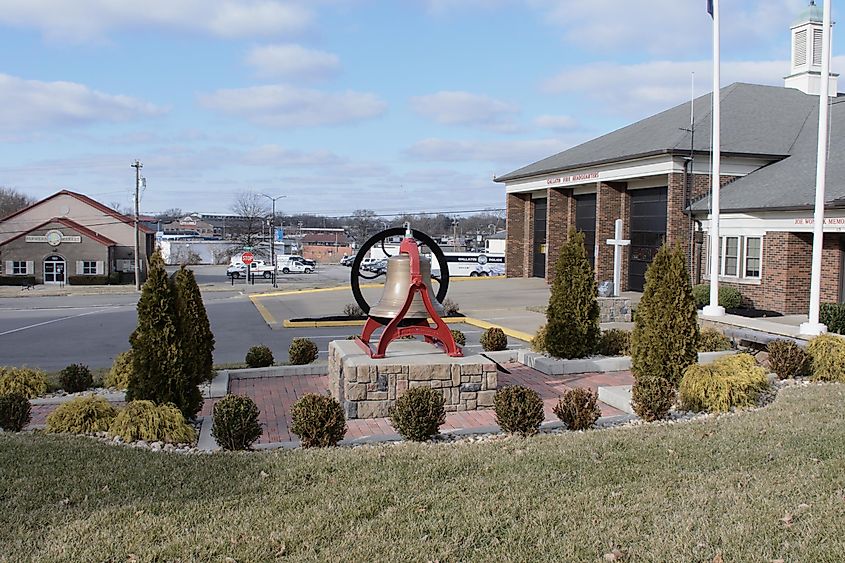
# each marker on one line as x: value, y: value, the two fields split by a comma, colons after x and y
x: 395, y: 106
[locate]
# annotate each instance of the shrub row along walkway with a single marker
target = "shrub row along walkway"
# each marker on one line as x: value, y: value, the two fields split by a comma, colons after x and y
x: 275, y: 395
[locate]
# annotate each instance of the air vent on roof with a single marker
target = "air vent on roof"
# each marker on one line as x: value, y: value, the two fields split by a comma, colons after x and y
x: 817, y: 46
x: 799, y: 49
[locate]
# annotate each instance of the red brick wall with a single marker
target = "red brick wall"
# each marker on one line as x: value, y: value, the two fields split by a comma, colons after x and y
x: 560, y: 216
x: 609, y: 208
x: 514, y: 252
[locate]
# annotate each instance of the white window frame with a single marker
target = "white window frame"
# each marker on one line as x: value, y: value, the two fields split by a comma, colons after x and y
x: 89, y: 267
x: 19, y: 268
x: 745, y: 258
x: 723, y: 255
x: 741, y: 276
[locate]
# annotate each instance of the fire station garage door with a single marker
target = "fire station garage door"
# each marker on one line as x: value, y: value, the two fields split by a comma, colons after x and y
x: 648, y: 231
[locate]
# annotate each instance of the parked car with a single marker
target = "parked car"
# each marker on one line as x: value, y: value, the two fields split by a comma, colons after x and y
x: 379, y: 266
x: 296, y: 265
x: 367, y: 262
x: 258, y: 267
x: 347, y: 260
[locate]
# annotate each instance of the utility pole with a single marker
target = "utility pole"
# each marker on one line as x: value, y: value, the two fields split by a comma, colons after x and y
x: 455, y: 234
x: 273, y: 234
x: 137, y: 166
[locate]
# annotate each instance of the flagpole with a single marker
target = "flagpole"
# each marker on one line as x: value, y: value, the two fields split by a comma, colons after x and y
x: 713, y: 309
x: 813, y: 327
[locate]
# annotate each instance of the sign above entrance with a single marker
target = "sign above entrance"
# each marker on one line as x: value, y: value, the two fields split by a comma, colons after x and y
x: 53, y: 238
x: 572, y: 179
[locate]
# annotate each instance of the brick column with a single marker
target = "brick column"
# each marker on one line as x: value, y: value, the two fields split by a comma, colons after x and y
x: 558, y: 221
x: 626, y: 234
x: 528, y: 236
x: 516, y: 240
x: 608, y: 210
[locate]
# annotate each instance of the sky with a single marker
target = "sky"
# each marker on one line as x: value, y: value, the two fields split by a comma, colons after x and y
x: 391, y: 105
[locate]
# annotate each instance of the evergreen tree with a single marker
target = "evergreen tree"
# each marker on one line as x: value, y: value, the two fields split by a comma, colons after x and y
x: 195, y: 330
x: 665, y: 337
x: 572, y: 327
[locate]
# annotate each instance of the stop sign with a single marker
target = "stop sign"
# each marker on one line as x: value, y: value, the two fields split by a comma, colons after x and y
x: 247, y: 258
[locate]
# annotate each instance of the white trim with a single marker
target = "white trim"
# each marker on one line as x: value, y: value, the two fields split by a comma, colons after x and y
x: 745, y: 258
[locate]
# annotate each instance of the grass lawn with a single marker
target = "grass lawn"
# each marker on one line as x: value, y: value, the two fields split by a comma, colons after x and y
x: 761, y: 486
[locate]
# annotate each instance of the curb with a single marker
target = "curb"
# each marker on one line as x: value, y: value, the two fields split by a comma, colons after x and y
x: 118, y: 397
x: 287, y: 323
x: 554, y: 366
x: 274, y: 371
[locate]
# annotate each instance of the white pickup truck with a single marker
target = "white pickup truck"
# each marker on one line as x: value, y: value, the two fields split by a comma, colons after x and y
x: 293, y: 265
x: 258, y: 268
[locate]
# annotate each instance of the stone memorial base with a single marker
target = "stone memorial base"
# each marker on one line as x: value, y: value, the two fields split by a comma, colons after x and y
x: 614, y: 310
x: 367, y: 388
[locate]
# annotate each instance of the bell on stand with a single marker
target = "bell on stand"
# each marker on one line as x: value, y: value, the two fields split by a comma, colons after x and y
x: 406, y: 305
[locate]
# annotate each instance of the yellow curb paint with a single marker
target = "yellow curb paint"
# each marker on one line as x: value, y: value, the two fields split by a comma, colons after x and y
x: 263, y: 311
x: 313, y: 290
x: 319, y: 324
x: 509, y: 331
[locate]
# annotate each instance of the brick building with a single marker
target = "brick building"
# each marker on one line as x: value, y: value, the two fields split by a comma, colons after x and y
x: 655, y: 176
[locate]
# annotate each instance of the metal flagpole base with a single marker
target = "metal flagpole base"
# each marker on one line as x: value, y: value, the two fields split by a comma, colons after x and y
x: 812, y: 329
x: 711, y: 311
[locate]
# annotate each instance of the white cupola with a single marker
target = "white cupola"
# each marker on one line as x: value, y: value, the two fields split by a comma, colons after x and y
x: 806, y: 62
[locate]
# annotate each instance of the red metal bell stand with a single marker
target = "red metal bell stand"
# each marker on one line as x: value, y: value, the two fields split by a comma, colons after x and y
x: 439, y: 333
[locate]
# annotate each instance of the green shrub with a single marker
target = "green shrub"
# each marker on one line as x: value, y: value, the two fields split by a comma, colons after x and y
x: 519, y: 410
x: 730, y: 381
x: 652, y: 397
x: 15, y: 412
x: 493, y: 340
x: 615, y: 342
x: 29, y: 382
x: 236, y: 425
x: 82, y: 415
x: 120, y: 372
x: 450, y: 308
x: 827, y: 353
x: 302, y: 351
x: 665, y: 337
x: 144, y: 420
x: 353, y: 310
x: 712, y: 340
x: 538, y: 343
x: 729, y: 297
x: 76, y: 378
x: 88, y: 280
x: 196, y: 338
x: 17, y: 280
x: 259, y: 357
x: 787, y: 359
x: 577, y: 408
x: 459, y: 337
x: 418, y: 413
x: 832, y: 315
x: 318, y: 421
x: 572, y: 317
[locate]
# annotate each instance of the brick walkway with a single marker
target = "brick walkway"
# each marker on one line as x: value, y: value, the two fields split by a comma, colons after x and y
x: 275, y: 395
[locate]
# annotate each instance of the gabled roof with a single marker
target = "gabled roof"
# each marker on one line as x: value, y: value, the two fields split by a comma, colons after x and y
x: 71, y: 225
x: 88, y: 201
x: 760, y: 121
x: 790, y: 184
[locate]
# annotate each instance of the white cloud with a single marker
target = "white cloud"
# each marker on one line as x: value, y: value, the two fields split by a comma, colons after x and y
x: 500, y: 152
x: 556, y: 122
x: 465, y: 108
x: 286, y: 106
x: 91, y: 19
x: 33, y: 104
x: 292, y: 61
x: 276, y: 155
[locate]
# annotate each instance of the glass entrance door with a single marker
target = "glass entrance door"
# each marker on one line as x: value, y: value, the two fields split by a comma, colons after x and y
x: 54, y: 270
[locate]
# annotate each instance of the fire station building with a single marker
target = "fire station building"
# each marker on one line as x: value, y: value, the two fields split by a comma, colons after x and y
x: 655, y: 176
x: 69, y: 237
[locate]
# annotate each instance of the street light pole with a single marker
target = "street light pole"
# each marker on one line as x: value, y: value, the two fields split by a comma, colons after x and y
x: 273, y: 234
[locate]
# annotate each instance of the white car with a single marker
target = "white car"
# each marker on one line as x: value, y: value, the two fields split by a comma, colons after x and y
x: 294, y: 265
x: 258, y: 268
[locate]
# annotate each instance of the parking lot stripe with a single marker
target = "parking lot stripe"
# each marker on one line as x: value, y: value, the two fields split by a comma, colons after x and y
x: 263, y: 311
x: 47, y: 322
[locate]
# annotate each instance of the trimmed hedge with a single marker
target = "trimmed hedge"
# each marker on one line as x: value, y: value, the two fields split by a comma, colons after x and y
x: 17, y: 280
x: 712, y: 340
x: 302, y: 351
x: 235, y: 425
x: 519, y: 410
x: 82, y: 415
x: 832, y: 315
x: 29, y: 382
x: 730, y: 381
x: 88, y: 280
x: 577, y: 408
x: 494, y: 340
x: 15, y: 412
x: 615, y: 342
x: 76, y: 378
x: 459, y: 337
x: 260, y: 356
x: 729, y: 297
x: 318, y: 421
x: 418, y: 413
x: 144, y: 420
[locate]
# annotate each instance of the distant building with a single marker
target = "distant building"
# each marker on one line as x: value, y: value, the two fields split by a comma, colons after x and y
x: 191, y: 224
x: 326, y: 247
x: 496, y: 244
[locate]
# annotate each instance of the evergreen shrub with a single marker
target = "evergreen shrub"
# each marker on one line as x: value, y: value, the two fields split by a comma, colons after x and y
x: 577, y: 408
x: 652, y: 397
x: 712, y: 340
x: 730, y: 381
x: 259, y: 357
x: 832, y: 315
x: 418, y: 413
x: 493, y: 340
x: 318, y: 420
x: 120, y: 372
x: 236, y: 425
x: 729, y: 297
x: 572, y: 317
x: 76, y: 378
x: 353, y: 310
x: 302, y: 351
x: 195, y: 336
x: 787, y: 359
x: 144, y: 420
x: 450, y: 308
x: 615, y: 342
x: 459, y: 337
x: 15, y: 412
x: 29, y: 382
x: 827, y: 353
x: 519, y: 410
x: 538, y: 343
x: 82, y: 415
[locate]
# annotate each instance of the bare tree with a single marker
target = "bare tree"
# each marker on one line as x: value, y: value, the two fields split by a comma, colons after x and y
x: 170, y: 215
x: 12, y: 200
x: 121, y: 208
x: 362, y: 224
x: 252, y: 209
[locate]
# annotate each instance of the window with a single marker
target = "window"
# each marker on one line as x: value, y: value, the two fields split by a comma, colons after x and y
x: 753, y: 255
x: 89, y: 268
x: 729, y: 253
x: 18, y: 268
